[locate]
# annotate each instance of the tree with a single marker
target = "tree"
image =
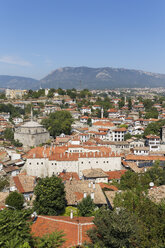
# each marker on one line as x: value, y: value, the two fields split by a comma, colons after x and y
x: 86, y: 206
x: 16, y: 143
x: 89, y: 122
x: 69, y: 209
x: 121, y: 103
x: 15, y: 199
x: 148, y: 104
x: 9, y: 134
x: 4, y: 182
x: 15, y: 229
x: 127, y: 136
x: 52, y: 240
x: 60, y: 91
x: 58, y: 122
x: 154, y: 128
x: 129, y: 104
x: 51, y: 93
x: 115, y: 229
x: 149, y: 214
x: 153, y: 113
x: 50, y: 196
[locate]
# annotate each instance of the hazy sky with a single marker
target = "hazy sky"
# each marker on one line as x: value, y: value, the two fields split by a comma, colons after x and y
x: 38, y: 36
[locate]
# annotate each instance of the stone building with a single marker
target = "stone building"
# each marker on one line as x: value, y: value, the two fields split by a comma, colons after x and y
x: 15, y: 94
x: 46, y: 161
x: 31, y: 134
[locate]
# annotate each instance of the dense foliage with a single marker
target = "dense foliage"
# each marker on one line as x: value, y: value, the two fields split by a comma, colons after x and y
x: 86, y: 206
x: 9, y: 135
x: 154, y: 128
x: 131, y: 180
x: 15, y: 200
x: 14, y: 111
x: 53, y: 240
x: 4, y: 182
x: 58, y: 122
x: 14, y: 229
x: 115, y: 229
x: 149, y: 214
x: 50, y: 196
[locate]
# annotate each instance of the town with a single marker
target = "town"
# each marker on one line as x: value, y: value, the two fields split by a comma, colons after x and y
x: 74, y: 159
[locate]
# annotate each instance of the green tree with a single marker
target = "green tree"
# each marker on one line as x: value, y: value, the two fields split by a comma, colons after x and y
x: 115, y: 229
x: 149, y: 214
x: 14, y: 229
x: 52, y: 240
x: 9, y: 134
x: 86, y: 206
x: 121, y: 103
x: 4, y: 182
x: 127, y: 136
x: 148, y: 104
x: 69, y: 209
x: 17, y: 143
x: 51, y: 93
x: 153, y: 113
x: 50, y: 196
x: 15, y: 199
x: 58, y: 122
x: 89, y: 122
x: 60, y: 91
x: 129, y: 104
x: 154, y: 128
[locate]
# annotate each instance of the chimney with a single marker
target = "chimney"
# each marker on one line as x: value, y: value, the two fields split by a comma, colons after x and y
x: 92, y: 195
x: 85, y: 194
x: 34, y: 155
x: 71, y: 214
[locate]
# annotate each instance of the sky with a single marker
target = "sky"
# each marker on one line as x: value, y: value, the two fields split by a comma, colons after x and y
x: 39, y: 36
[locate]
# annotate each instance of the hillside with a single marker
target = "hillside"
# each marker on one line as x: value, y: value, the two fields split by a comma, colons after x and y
x: 86, y: 77
x: 15, y: 82
x: 100, y: 78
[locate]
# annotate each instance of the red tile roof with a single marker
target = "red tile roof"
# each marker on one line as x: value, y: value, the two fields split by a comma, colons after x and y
x: 145, y: 157
x: 121, y: 129
x: 111, y: 187
x: 115, y: 174
x: 112, y: 111
x: 60, y: 154
x: 67, y: 175
x: 105, y: 124
x: 74, y: 229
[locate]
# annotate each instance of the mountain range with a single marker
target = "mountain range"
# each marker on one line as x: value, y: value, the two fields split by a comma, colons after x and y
x: 86, y: 77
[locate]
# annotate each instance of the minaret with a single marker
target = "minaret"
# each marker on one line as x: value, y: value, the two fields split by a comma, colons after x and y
x: 102, y: 112
x: 31, y: 113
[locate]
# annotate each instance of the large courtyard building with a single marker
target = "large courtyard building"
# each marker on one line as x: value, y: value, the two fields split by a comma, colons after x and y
x: 46, y: 161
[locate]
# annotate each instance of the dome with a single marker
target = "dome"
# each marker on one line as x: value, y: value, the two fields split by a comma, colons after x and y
x: 31, y: 124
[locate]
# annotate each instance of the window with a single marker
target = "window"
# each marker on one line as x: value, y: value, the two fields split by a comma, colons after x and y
x: 37, y: 163
x: 82, y: 162
x: 41, y: 162
x: 30, y: 163
x: 52, y: 163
